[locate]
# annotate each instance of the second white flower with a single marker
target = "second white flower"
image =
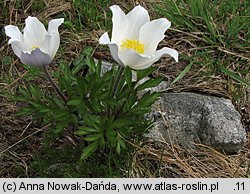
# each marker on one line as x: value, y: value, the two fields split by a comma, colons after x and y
x: 35, y: 46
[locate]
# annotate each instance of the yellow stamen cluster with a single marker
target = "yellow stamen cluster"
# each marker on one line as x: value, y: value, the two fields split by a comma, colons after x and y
x: 34, y: 47
x: 133, y: 44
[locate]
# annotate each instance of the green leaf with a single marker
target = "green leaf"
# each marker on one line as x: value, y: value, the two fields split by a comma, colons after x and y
x: 145, y: 72
x: 24, y: 92
x: 37, y: 105
x: 60, y: 127
x: 18, y: 98
x: 93, y: 137
x: 140, y: 110
x: 234, y: 76
x: 77, y: 68
x: 80, y: 133
x: 131, y: 100
x: 92, y: 121
x: 74, y: 102
x: 86, y: 152
x: 91, y: 63
x: 87, y: 51
x: 62, y: 115
x: 98, y: 87
x: 78, y: 64
x: 148, y: 99
x: 99, y: 68
x: 121, y: 142
x: 68, y: 24
x: 88, y: 129
x: 51, y: 103
x: 25, y: 111
x: 85, y: 130
x: 74, y: 119
x: 96, y: 106
x: 111, y: 102
x: 120, y: 123
x: 181, y: 75
x: 150, y: 83
x: 7, y: 60
x: 111, y: 136
x: 44, y: 110
x: 91, y: 79
x: 82, y: 86
x: 125, y: 91
x: 118, y: 148
x: 128, y: 76
x: 35, y: 91
x: 58, y: 102
x: 31, y: 72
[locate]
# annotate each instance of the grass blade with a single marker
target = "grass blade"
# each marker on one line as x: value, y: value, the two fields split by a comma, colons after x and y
x: 181, y: 75
x: 234, y: 76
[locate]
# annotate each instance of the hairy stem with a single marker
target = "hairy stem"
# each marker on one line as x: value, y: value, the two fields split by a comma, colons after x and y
x: 117, y: 80
x: 115, y: 87
x: 54, y: 85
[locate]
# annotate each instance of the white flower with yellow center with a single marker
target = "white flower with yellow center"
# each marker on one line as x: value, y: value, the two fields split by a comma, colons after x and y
x: 135, y: 38
x: 35, y: 46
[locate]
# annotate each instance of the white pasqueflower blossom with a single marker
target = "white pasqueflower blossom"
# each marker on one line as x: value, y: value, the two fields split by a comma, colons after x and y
x: 35, y: 46
x: 135, y: 38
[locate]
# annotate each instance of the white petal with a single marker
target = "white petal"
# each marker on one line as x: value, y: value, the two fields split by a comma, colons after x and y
x: 152, y: 33
x: 34, y: 32
x: 158, y: 54
x: 50, y: 45
x: 36, y: 58
x: 19, y: 47
x: 136, y: 17
x: 137, y: 61
x: 104, y: 39
x: 120, y: 24
x: 168, y: 51
x: 113, y: 47
x: 114, y: 52
x: 54, y: 24
x: 131, y: 58
x: 51, y: 42
x: 14, y: 33
x: 54, y: 42
x: 46, y: 46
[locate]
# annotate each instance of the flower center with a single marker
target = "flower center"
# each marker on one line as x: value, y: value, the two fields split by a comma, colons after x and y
x: 133, y: 44
x: 34, y: 47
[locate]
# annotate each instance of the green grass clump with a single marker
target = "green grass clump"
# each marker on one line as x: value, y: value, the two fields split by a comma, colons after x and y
x: 220, y: 29
x: 91, y: 14
x: 64, y: 162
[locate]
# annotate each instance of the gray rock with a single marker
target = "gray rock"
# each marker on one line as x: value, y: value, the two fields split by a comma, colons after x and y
x: 185, y: 118
x: 106, y: 66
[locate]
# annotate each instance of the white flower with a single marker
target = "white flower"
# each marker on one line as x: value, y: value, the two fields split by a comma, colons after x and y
x: 35, y: 46
x: 135, y: 38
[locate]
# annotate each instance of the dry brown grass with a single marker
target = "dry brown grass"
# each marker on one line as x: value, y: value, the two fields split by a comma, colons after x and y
x: 161, y: 159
